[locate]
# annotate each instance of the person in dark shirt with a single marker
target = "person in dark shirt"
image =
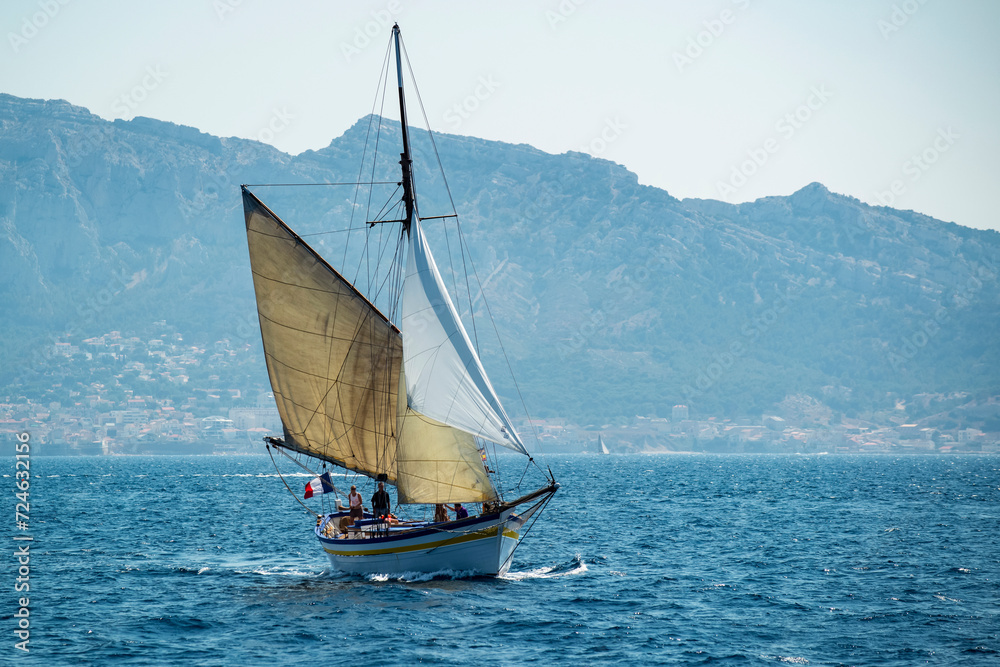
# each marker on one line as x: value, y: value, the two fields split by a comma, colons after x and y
x: 381, y: 502
x: 460, y: 512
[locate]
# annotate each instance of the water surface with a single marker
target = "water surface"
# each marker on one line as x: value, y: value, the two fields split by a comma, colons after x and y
x: 687, y: 559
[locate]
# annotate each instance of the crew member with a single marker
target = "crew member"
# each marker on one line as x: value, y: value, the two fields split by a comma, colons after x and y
x: 381, y: 502
x: 354, y: 501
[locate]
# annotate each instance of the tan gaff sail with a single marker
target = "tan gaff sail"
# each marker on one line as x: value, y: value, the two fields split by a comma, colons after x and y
x: 333, y: 358
x: 334, y: 364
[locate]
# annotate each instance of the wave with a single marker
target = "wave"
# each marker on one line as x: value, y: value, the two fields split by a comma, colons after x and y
x: 575, y: 566
x: 281, y: 571
x: 414, y: 577
x: 794, y: 660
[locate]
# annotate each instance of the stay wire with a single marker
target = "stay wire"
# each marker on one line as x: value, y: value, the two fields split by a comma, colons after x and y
x: 294, y: 185
x: 537, y: 515
x: 291, y: 458
x: 464, y: 247
x: 371, y: 118
x: 510, y: 368
x: 294, y: 495
x: 444, y: 178
x: 368, y: 210
x: 451, y: 199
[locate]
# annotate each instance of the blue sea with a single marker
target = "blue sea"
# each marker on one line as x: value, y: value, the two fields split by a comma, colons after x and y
x: 639, y: 559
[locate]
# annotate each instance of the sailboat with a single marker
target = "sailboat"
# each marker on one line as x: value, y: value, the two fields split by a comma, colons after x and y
x: 399, y: 398
x: 602, y: 448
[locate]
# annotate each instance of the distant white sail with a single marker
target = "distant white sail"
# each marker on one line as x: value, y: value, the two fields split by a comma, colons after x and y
x: 445, y: 379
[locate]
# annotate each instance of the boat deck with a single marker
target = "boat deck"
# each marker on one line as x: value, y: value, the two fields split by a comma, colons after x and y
x: 370, y: 528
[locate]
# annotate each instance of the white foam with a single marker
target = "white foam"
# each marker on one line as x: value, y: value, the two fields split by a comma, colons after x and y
x: 423, y: 576
x: 550, y: 572
x: 279, y: 572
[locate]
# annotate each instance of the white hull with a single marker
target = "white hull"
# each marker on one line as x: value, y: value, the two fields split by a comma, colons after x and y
x: 484, y: 545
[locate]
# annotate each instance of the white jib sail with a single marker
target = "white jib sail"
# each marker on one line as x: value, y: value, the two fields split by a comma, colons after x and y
x: 444, y: 378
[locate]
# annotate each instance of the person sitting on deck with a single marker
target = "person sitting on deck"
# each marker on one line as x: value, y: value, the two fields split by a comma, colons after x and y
x: 440, y: 513
x: 381, y: 502
x: 460, y: 512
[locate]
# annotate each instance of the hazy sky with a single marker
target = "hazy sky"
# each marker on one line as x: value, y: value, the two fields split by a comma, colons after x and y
x: 890, y: 101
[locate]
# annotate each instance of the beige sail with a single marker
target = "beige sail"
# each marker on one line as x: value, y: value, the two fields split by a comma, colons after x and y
x: 332, y: 357
x: 335, y: 364
x: 437, y: 463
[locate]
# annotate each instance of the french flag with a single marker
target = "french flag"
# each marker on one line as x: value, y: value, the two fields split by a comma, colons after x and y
x: 322, y: 484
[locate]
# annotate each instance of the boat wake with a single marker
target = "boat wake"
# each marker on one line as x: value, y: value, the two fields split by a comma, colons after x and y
x: 411, y: 577
x: 280, y: 571
x: 574, y: 567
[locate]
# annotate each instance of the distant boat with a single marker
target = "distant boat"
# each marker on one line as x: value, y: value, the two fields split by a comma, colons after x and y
x: 602, y: 448
x: 402, y: 398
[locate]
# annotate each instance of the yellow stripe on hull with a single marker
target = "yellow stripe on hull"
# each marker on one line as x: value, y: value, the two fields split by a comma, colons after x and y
x: 478, y: 535
x: 486, y: 549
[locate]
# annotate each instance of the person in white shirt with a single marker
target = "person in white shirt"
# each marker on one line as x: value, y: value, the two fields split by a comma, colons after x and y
x: 354, y: 502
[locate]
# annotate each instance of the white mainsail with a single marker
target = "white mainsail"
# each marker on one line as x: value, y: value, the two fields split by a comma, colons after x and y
x: 445, y: 379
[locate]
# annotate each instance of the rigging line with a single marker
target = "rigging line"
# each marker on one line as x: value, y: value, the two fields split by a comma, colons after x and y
x: 390, y: 273
x: 496, y: 465
x: 364, y: 152
x: 292, y: 185
x: 282, y: 477
x: 370, y: 385
x: 451, y: 265
x: 444, y: 178
x: 394, y: 279
x: 301, y: 465
x: 362, y: 317
x: 492, y: 458
x: 372, y: 388
x: 427, y: 124
x: 464, y: 247
x: 373, y: 272
x: 366, y: 256
x: 382, y: 381
x: 383, y: 83
x: 391, y: 387
x: 537, y: 515
x: 334, y: 231
x: 382, y: 210
x: 510, y: 368
x: 388, y: 408
x: 366, y: 253
x: 368, y: 207
x: 526, y: 466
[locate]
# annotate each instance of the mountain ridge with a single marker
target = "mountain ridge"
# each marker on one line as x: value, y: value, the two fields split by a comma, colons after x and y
x: 617, y: 290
